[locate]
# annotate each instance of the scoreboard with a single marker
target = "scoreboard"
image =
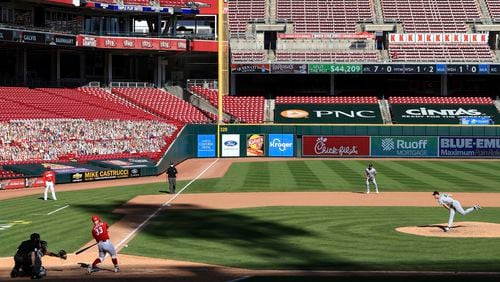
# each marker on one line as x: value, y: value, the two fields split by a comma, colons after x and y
x: 318, y: 68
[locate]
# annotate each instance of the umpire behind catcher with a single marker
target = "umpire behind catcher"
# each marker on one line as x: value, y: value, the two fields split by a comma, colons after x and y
x: 28, y: 258
x: 172, y: 177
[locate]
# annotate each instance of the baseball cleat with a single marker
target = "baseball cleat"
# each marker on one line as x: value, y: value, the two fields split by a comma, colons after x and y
x: 91, y: 269
x: 116, y: 269
x: 447, y: 229
x: 477, y: 207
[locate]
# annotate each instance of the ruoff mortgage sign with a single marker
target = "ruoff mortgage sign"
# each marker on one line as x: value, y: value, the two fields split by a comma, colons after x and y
x: 403, y: 146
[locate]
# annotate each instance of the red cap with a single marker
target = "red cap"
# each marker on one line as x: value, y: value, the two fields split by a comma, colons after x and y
x: 95, y: 218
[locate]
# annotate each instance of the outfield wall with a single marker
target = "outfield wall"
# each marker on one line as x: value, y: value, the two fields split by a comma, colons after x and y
x: 239, y: 140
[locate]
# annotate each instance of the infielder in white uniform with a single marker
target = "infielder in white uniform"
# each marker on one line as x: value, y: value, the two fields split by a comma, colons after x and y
x: 370, y: 173
x: 453, y: 206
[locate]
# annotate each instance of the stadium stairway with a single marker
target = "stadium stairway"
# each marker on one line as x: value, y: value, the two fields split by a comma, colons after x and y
x: 205, y: 105
x: 497, y: 104
x: 385, y: 110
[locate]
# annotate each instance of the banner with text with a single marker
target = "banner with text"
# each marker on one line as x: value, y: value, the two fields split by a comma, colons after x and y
x: 105, y: 174
x: 281, y: 145
x: 250, y: 68
x: 469, y: 147
x: 438, y: 37
x: 441, y: 113
x: 335, y: 146
x: 230, y: 145
x: 156, y: 44
x: 327, y: 113
x: 404, y: 146
x: 206, y: 146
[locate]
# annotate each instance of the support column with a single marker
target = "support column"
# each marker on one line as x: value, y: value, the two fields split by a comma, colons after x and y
x: 82, y: 66
x: 444, y: 85
x: 58, y: 67
x: 24, y: 68
x: 108, y: 68
x: 232, y: 84
x: 157, y: 71
x: 332, y: 85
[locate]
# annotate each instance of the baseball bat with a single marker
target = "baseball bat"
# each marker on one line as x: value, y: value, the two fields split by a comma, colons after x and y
x: 84, y: 249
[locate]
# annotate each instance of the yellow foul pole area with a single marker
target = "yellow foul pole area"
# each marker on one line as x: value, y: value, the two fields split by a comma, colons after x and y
x: 223, y: 63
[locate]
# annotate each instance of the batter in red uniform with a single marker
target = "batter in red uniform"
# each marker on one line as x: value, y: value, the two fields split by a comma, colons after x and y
x: 100, y: 234
x: 49, y: 177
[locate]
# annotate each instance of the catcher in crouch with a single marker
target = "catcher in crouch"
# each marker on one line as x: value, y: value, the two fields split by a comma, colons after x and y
x: 28, y: 258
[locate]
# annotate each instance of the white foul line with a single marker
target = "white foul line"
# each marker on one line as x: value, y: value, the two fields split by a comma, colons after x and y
x: 164, y: 204
x: 58, y: 210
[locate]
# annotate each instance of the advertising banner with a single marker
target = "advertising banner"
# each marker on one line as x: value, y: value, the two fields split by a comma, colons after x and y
x: 281, y: 145
x: 335, y: 146
x: 230, y: 145
x: 105, y: 174
x: 29, y: 37
x: 289, y: 68
x: 64, y: 168
x: 35, y: 182
x: 327, y: 113
x: 335, y: 68
x: 255, y: 145
x: 13, y: 183
x: 441, y: 113
x: 250, y: 68
x: 469, y: 147
x: 6, y: 35
x: 156, y: 44
x: 439, y: 37
x: 404, y: 146
x: 206, y: 146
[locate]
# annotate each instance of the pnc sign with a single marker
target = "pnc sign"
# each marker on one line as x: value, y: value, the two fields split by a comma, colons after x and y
x: 328, y: 113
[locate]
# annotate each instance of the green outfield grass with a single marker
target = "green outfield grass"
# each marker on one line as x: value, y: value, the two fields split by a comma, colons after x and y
x: 234, y: 237
x: 69, y: 228
x: 347, y: 175
x: 340, y: 238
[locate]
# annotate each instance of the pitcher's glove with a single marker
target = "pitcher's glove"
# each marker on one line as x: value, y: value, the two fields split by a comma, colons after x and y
x: 62, y: 254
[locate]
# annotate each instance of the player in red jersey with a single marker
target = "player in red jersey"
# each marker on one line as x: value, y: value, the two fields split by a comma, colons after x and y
x: 49, y: 177
x: 100, y: 234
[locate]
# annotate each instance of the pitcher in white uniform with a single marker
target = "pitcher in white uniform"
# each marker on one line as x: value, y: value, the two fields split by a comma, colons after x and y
x: 370, y: 173
x: 453, y: 206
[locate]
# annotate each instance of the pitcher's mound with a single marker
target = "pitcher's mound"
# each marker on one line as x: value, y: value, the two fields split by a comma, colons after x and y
x: 460, y: 230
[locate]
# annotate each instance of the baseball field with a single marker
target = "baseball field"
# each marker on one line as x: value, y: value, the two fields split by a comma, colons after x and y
x: 273, y: 220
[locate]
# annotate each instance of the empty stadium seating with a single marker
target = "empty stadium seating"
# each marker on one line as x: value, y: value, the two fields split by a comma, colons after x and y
x: 431, y: 15
x: 441, y: 100
x: 437, y: 52
x: 325, y: 100
x: 173, y: 3
x: 137, y: 2
x: 325, y: 16
x: 163, y: 104
x: 327, y: 56
x: 494, y: 8
x: 245, y: 109
x: 9, y: 174
x: 243, y: 11
x: 247, y: 56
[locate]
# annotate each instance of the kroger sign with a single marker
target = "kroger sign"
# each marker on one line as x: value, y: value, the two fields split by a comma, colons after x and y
x: 281, y: 145
x: 402, y: 146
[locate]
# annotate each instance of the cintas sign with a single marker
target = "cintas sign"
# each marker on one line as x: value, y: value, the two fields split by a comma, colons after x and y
x: 327, y: 113
x: 441, y: 113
